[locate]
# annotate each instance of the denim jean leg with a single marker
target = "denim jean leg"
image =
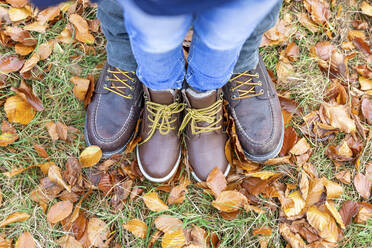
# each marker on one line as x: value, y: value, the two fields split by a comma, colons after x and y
x: 157, y: 46
x: 219, y: 34
x: 248, y: 57
x: 118, y: 48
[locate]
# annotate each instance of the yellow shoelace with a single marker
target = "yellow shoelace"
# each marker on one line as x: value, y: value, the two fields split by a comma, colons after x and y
x: 162, y: 117
x: 246, y: 93
x: 207, y: 114
x: 119, y: 90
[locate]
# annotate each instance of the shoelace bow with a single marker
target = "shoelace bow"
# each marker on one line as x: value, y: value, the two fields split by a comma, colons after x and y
x: 243, y: 93
x: 162, y: 117
x: 119, y: 90
x: 207, y: 114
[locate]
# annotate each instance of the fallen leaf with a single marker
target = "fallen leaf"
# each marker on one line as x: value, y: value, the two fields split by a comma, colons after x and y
x: 90, y: 156
x: 54, y: 174
x: 177, y: 194
x: 18, y: 14
x: 48, y: 14
x: 173, y: 239
x: 81, y: 86
x: 319, y: 10
x: 324, y: 223
x: 277, y: 34
x: 263, y: 175
x: 229, y: 201
x: 45, y: 49
x: 137, y: 227
x: 334, y: 190
x: 216, y: 181
x: 8, y: 134
x: 332, y: 209
x: 316, y: 189
x: 339, y: 118
x: 289, y: 140
x: 17, y: 3
x: 365, y: 212
x: 36, y: 27
x: 298, y: 204
x: 10, y: 63
x: 300, y: 147
x: 98, y: 232
x: 196, y: 237
x: 69, y: 241
x: 366, y: 8
x: 5, y: 243
x: 82, y: 29
x: 30, y: 63
x: 294, y: 240
x: 19, y: 35
x: 25, y: 91
x: 167, y: 223
x: 41, y: 151
x: 18, y: 110
x: 366, y: 107
x: 59, y: 211
x: 344, y: 176
x: 61, y: 130
x: 25, y: 241
x: 154, y: 203
x: 292, y: 51
x: 23, y: 49
x: 362, y: 185
x: 264, y: 230
x: 15, y: 217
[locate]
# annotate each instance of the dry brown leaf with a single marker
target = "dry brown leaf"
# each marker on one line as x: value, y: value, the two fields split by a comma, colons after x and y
x: 196, y: 237
x: 45, y: 49
x: 348, y: 210
x: 365, y: 83
x: 18, y: 110
x: 300, y: 147
x: 307, y: 22
x: 81, y: 86
x: 174, y: 239
x: 154, y: 203
x: 294, y: 240
x: 229, y: 201
x: 344, y: 176
x: 167, y: 223
x: 48, y: 14
x: 264, y: 230
x: 319, y: 10
x: 61, y: 130
x: 332, y: 209
x: 18, y: 14
x: 362, y: 185
x: 25, y: 91
x: 290, y: 139
x: 59, y: 211
x: 52, y: 130
x: 17, y: 3
x: 25, y: 241
x: 137, y: 227
x: 41, y: 151
x: 23, y: 49
x: 216, y: 181
x: 365, y: 212
x: 69, y: 241
x: 292, y: 51
x: 15, y: 217
x: 82, y: 29
x: 98, y: 232
x: 54, y: 174
x: 366, y: 8
x: 65, y: 36
x: 277, y: 34
x: 19, y: 35
x: 298, y: 204
x: 316, y: 188
x: 5, y: 243
x: 177, y: 194
x: 324, y: 223
x: 334, y: 190
x: 36, y: 27
x: 263, y: 175
x: 10, y: 63
x: 8, y: 134
x: 340, y: 118
x: 366, y: 107
x: 284, y: 70
x: 90, y: 156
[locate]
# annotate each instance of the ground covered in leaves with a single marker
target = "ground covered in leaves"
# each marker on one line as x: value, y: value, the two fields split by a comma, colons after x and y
x: 56, y: 192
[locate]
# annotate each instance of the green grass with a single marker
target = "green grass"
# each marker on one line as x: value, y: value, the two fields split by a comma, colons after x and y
x: 55, y: 90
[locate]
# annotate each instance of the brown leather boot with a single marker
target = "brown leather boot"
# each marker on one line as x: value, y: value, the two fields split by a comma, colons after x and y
x: 255, y: 107
x: 205, y: 135
x: 112, y: 115
x: 159, y: 152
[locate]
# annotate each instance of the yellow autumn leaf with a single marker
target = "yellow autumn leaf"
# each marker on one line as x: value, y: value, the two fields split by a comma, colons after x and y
x: 137, y: 227
x: 18, y: 110
x: 366, y: 8
x: 15, y: 217
x: 90, y: 156
x: 332, y: 209
x: 334, y: 190
x: 154, y: 203
x: 174, y: 239
x: 262, y: 174
x: 298, y: 205
x: 229, y: 201
x: 18, y: 14
x: 324, y: 223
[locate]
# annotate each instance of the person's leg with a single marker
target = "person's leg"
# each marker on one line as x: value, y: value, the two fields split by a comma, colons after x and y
x: 253, y: 102
x: 157, y: 47
x: 115, y: 106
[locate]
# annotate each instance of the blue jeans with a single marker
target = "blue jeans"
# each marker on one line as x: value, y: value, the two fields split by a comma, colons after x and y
x: 225, y: 41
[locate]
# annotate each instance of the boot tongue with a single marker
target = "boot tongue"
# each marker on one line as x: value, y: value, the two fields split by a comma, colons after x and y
x: 162, y: 96
x: 200, y: 100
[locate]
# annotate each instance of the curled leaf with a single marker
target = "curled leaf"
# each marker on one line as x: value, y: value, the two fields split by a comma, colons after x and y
x: 54, y: 174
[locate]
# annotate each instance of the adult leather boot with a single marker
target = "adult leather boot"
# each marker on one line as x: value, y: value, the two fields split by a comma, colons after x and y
x: 255, y: 107
x: 205, y: 135
x: 112, y: 115
x: 159, y: 152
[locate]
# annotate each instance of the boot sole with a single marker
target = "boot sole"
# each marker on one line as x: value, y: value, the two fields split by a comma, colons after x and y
x: 267, y: 156
x: 104, y: 154
x: 154, y: 179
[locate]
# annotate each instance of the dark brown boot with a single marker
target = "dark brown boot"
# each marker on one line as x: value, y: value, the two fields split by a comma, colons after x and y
x: 205, y: 135
x: 159, y: 152
x: 255, y: 107
x: 112, y: 115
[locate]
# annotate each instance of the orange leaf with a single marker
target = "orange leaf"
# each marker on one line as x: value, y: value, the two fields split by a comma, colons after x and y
x: 216, y: 181
x: 174, y: 239
x: 137, y: 227
x: 167, y: 223
x: 154, y: 203
x: 229, y: 201
x: 15, y: 217
x: 59, y: 211
x: 90, y: 156
x: 25, y: 241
